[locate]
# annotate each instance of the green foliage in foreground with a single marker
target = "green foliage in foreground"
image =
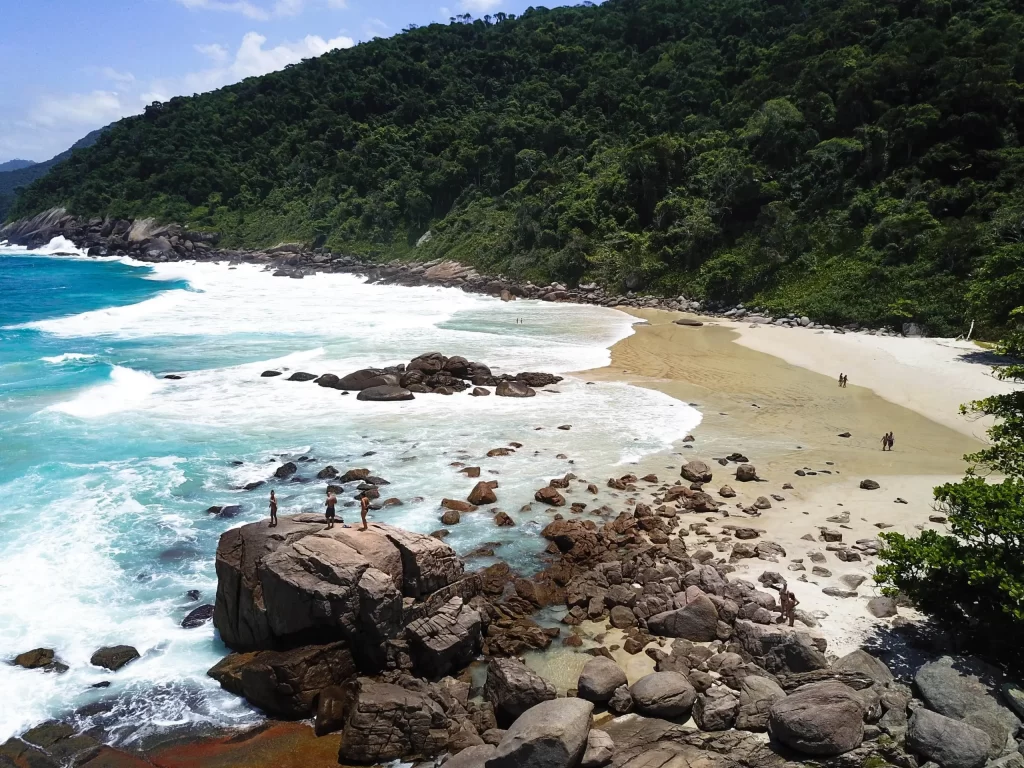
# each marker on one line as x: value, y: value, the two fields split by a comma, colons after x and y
x: 973, y: 578
x: 853, y: 160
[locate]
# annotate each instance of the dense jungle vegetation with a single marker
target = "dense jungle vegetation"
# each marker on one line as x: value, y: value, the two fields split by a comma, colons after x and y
x: 852, y: 160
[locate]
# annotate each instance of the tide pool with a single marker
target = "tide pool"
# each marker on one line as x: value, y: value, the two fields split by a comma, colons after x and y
x: 109, y: 469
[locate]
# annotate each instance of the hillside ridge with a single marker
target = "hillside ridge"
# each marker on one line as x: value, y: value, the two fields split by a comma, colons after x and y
x: 849, y: 161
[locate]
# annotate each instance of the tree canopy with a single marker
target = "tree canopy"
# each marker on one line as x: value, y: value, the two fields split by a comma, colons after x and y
x: 852, y: 160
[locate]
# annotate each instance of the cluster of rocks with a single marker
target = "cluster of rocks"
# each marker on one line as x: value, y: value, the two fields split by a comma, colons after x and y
x: 147, y: 240
x: 431, y: 372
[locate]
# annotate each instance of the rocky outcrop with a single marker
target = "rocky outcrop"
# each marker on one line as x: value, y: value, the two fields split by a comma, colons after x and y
x: 513, y: 688
x: 552, y: 734
x: 664, y: 694
x: 967, y: 689
x: 696, y: 471
x: 950, y: 743
x: 299, y: 581
x: 386, y: 722
x: 285, y: 684
x: 385, y: 394
x: 599, y: 679
x: 819, y: 719
x: 514, y: 389
x: 114, y: 657
x: 697, y: 620
x: 757, y: 696
x: 445, y: 641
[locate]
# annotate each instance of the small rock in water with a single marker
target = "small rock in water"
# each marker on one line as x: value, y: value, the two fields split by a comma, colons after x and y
x: 198, y: 617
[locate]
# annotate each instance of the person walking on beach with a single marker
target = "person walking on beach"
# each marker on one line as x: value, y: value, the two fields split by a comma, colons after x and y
x: 846, y: 379
x: 331, y: 502
x: 887, y: 441
x: 364, y: 507
x: 892, y: 440
x: 273, y: 510
x: 840, y: 379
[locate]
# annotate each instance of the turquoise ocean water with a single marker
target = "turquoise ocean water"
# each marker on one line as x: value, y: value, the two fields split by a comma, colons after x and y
x: 108, y: 469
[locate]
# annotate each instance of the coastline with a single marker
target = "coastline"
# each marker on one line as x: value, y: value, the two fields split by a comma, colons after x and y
x: 779, y: 406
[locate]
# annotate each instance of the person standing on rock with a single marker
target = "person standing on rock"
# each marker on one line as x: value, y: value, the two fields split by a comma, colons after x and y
x: 787, y: 605
x: 273, y: 510
x: 331, y: 503
x: 364, y: 507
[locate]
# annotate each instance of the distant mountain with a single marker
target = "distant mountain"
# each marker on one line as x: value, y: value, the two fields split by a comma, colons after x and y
x: 15, y: 165
x: 15, y: 174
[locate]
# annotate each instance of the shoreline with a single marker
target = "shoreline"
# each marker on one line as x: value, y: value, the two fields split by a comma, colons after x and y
x: 784, y: 416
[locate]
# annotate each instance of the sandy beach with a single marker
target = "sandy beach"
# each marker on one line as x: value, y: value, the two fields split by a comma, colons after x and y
x: 771, y: 394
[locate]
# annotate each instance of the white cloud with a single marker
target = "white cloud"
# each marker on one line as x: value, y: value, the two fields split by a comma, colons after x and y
x: 479, y: 6
x: 214, y: 51
x: 251, y: 59
x: 125, y: 78
x: 95, y: 109
x: 446, y: 13
x: 55, y: 121
x: 247, y: 9
x: 259, y: 12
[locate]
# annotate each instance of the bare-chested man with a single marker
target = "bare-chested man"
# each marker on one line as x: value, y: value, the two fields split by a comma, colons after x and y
x: 364, y: 507
x: 331, y: 503
x: 273, y: 510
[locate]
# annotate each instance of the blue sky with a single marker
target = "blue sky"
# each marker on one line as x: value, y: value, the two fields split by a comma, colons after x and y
x: 69, y: 66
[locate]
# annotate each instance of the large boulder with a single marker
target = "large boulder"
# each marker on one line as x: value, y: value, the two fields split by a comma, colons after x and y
x: 600, y: 749
x: 716, y: 709
x: 366, y: 378
x: 445, y: 641
x: 824, y: 718
x: 429, y: 362
x: 278, y: 585
x: 965, y: 688
x: 697, y: 620
x: 285, y: 684
x: 552, y: 734
x: 114, y: 657
x: 793, y: 655
x: 514, y: 389
x: 696, y: 471
x: 864, y: 663
x: 513, y: 688
x: 386, y: 722
x: 664, y: 694
x: 757, y: 695
x: 950, y: 743
x: 599, y: 679
x: 746, y: 473
x: 483, y: 493
x: 472, y: 757
x: 385, y: 394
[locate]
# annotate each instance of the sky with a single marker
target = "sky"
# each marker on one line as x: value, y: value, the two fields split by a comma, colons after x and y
x: 68, y: 67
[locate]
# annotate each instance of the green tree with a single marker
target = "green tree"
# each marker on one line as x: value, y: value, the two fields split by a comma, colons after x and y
x: 972, y: 578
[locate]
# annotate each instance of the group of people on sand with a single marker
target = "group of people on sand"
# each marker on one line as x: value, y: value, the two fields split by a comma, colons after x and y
x: 331, y: 511
x: 887, y: 439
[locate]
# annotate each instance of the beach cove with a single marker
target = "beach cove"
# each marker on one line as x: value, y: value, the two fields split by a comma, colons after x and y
x: 782, y: 416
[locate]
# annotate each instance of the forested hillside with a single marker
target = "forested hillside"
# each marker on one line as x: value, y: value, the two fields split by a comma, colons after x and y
x: 845, y: 159
x: 18, y: 174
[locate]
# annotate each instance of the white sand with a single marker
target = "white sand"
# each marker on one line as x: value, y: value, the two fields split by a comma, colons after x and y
x: 932, y: 377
